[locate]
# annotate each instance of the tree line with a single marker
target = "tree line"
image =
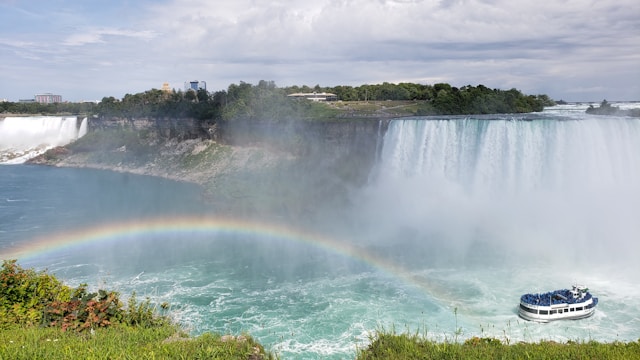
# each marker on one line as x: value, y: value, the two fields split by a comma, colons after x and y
x: 243, y: 101
x: 34, y: 108
x: 266, y: 101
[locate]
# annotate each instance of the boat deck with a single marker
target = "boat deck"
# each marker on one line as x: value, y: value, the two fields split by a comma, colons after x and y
x: 556, y: 297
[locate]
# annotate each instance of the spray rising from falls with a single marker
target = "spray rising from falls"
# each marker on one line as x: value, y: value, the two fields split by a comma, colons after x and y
x: 22, y: 138
x: 470, y: 189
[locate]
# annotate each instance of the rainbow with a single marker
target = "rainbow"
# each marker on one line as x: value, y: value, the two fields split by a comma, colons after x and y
x: 163, y: 226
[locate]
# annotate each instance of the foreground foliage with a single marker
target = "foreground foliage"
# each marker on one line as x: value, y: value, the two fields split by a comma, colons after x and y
x: 393, y: 346
x: 29, y: 298
x: 24, y: 294
x: 41, y: 318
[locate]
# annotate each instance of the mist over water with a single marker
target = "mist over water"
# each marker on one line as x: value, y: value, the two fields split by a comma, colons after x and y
x: 460, y: 217
x: 544, y: 189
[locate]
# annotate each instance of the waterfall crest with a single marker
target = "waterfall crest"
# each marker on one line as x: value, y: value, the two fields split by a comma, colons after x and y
x: 514, y: 156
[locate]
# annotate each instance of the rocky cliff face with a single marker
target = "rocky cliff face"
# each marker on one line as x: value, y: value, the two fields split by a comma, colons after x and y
x: 168, y: 128
x: 324, y: 162
x: 352, y: 140
x: 283, y: 168
x: 329, y: 137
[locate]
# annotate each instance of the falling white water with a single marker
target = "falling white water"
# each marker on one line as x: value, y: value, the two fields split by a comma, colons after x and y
x: 515, y: 156
x: 544, y: 188
x: 22, y: 138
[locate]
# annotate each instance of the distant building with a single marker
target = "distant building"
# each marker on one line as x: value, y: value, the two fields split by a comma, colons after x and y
x: 165, y: 87
x: 323, y: 96
x: 195, y: 85
x: 48, y: 98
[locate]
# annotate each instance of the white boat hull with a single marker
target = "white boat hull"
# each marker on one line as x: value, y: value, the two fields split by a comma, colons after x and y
x: 549, y: 316
x: 563, y: 304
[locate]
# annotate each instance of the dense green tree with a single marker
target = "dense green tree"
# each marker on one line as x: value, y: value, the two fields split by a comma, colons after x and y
x: 109, y: 106
x: 55, y: 108
x: 190, y: 95
x: 345, y: 93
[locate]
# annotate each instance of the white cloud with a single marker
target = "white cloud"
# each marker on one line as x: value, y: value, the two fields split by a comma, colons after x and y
x: 98, y: 36
x: 535, y: 46
x: 82, y: 39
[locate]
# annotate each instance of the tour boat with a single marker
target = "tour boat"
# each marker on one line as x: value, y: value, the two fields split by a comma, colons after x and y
x: 576, y: 303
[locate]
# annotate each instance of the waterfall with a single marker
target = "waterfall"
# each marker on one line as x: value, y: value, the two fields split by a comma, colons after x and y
x: 83, y: 128
x: 536, y: 187
x: 514, y: 156
x: 22, y: 138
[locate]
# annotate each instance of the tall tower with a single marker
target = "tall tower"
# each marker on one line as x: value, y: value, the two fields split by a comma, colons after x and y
x: 195, y: 85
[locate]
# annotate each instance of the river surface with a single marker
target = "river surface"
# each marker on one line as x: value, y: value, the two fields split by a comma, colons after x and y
x: 462, y: 216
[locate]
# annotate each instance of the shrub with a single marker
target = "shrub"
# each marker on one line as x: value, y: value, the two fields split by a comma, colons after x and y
x: 85, y: 310
x: 24, y: 294
x: 142, y: 313
x: 30, y: 298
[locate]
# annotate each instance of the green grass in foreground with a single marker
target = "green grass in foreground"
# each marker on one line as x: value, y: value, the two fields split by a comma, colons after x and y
x: 392, y: 346
x: 168, y: 342
x: 122, y: 342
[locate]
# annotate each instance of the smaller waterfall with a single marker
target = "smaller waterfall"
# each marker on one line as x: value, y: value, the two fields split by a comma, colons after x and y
x: 22, y: 138
x: 83, y: 129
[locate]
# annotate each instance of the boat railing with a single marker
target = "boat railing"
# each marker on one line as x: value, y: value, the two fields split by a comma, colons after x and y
x: 557, y: 297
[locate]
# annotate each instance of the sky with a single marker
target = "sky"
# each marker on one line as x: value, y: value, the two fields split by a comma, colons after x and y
x: 85, y: 50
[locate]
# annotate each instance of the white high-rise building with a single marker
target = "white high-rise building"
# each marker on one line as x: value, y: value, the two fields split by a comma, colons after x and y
x: 48, y: 98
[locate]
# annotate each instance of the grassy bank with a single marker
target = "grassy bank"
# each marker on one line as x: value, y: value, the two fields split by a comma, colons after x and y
x: 165, y: 342
x: 388, y: 109
x: 168, y: 342
x: 393, y: 346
